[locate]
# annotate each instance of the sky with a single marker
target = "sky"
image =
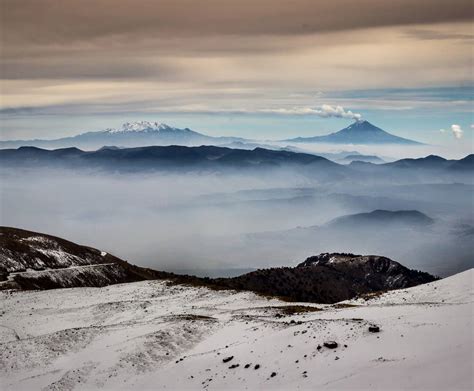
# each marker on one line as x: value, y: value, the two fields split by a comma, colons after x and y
x: 264, y: 69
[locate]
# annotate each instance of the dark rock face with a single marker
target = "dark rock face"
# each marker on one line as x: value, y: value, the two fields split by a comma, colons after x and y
x: 30, y: 260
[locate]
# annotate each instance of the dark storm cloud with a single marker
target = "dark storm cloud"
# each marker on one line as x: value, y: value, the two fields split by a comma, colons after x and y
x: 224, y: 55
x: 46, y: 21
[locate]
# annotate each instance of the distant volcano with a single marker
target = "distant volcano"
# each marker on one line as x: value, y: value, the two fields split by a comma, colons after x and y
x: 360, y: 132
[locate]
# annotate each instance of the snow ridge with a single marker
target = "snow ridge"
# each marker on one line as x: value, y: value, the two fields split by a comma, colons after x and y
x: 140, y: 126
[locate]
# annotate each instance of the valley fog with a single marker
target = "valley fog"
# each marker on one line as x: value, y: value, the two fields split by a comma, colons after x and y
x: 211, y: 224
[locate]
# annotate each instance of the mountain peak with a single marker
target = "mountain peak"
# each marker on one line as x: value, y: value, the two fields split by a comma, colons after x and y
x: 360, y: 132
x: 140, y: 126
x: 363, y: 125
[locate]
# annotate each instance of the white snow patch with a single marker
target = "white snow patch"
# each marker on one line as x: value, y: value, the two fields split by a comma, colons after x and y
x: 140, y: 126
x: 151, y: 334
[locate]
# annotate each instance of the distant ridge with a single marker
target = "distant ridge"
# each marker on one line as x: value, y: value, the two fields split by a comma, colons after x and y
x: 360, y: 132
x: 382, y: 218
x: 176, y: 157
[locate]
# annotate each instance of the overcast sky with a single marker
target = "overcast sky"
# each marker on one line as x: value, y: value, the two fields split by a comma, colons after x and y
x: 260, y: 68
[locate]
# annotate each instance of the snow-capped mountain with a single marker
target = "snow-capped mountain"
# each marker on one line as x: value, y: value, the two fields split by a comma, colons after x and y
x: 360, y: 132
x: 142, y: 126
x: 129, y: 135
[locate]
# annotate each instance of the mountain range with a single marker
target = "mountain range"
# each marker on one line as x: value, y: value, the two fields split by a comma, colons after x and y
x: 144, y: 133
x: 130, y: 134
x: 160, y: 158
x: 209, y: 158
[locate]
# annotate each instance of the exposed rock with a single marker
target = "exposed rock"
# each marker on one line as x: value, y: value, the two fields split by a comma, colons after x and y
x: 227, y: 359
x: 331, y: 344
x: 329, y: 278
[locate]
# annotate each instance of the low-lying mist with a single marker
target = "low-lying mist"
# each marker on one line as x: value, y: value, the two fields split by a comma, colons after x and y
x: 209, y: 223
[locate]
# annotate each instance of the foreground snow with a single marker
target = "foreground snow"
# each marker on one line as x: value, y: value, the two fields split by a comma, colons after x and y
x: 151, y: 335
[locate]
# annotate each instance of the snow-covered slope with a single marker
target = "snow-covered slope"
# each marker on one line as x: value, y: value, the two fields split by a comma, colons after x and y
x: 141, y: 126
x: 152, y: 335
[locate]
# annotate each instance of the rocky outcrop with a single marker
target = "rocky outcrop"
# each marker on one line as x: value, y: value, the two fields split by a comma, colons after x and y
x: 30, y: 260
x: 330, y: 278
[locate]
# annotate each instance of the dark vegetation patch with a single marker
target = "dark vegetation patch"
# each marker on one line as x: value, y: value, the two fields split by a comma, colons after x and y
x: 297, y: 309
x: 344, y: 305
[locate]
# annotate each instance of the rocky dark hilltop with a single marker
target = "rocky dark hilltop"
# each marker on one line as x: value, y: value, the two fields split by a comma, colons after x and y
x: 29, y: 260
x: 330, y: 278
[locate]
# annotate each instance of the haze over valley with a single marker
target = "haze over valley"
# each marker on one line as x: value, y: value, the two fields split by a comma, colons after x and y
x: 214, y: 210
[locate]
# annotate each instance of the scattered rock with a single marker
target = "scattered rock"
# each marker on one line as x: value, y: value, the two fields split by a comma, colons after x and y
x: 257, y: 366
x: 247, y: 366
x: 234, y: 366
x: 273, y: 374
x: 227, y: 359
x: 330, y: 344
x: 374, y: 329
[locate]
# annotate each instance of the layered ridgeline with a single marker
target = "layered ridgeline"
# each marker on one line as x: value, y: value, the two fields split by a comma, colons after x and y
x: 30, y: 260
x: 144, y: 133
x: 161, y: 158
x: 360, y: 132
x: 168, y: 157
